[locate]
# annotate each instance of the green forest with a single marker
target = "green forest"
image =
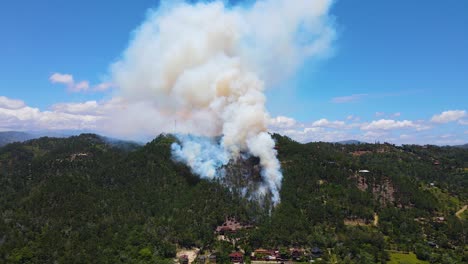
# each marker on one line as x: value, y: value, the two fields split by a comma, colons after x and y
x: 86, y: 199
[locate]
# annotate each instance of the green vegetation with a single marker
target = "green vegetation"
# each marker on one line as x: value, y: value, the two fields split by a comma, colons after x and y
x: 86, y: 200
x: 405, y: 258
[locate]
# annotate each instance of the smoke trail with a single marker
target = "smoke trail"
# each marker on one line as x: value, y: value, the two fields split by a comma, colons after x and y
x: 206, y: 66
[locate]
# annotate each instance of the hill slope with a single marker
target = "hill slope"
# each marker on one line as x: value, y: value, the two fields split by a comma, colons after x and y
x: 82, y: 199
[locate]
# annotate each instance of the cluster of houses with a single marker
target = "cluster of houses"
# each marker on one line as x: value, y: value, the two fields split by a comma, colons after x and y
x: 232, y: 226
x: 78, y: 155
x: 294, y: 254
x: 200, y: 259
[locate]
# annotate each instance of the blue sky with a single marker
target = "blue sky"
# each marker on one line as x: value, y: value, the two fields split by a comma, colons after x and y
x: 392, y: 60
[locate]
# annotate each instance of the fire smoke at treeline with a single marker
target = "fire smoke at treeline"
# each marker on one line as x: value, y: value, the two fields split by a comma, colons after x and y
x: 206, y: 66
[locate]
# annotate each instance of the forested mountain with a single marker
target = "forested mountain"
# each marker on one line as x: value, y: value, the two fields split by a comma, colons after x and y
x: 84, y: 200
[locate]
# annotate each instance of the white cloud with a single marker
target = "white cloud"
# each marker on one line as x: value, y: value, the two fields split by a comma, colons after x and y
x: 378, y: 114
x: 330, y: 124
x: 75, y: 87
x: 384, y: 130
x: 103, y: 86
x: 80, y: 87
x: 309, y: 134
x: 348, y: 99
x: 67, y: 79
x: 312, y: 130
x: 282, y: 122
x: 320, y: 130
x: 396, y: 114
x: 449, y: 116
x: 89, y: 107
x: 389, y: 124
x: 463, y: 122
x: 61, y: 78
x: 8, y: 103
x: 28, y: 118
x: 18, y: 116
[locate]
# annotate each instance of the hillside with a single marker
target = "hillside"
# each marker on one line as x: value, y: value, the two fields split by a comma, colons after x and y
x: 85, y: 200
x: 463, y: 146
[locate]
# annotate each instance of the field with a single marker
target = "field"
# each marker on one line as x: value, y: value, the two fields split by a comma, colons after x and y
x: 402, y: 258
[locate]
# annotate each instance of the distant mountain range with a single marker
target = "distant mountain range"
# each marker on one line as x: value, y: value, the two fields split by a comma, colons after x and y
x: 18, y: 136
x: 14, y: 136
x: 8, y: 137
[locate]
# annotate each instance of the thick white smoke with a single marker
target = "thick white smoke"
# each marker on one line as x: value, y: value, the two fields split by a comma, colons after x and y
x: 204, y: 66
x: 204, y: 155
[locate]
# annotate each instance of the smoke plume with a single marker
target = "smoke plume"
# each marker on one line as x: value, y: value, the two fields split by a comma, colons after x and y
x: 201, y: 69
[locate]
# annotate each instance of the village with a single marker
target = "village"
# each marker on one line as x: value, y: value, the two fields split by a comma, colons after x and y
x: 258, y: 256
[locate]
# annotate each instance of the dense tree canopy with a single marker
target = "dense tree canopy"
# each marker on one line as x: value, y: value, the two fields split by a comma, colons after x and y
x: 84, y: 199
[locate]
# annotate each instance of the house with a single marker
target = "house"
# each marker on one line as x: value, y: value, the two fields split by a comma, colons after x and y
x: 266, y: 254
x: 260, y: 253
x: 223, y: 230
x: 78, y: 155
x: 432, y: 244
x: 316, y: 252
x: 212, y: 258
x: 296, y: 254
x: 236, y: 257
x: 201, y: 260
x: 184, y: 259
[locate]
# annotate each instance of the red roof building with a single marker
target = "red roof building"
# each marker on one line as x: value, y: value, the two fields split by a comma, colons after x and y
x: 265, y: 254
x: 184, y: 259
x: 236, y: 257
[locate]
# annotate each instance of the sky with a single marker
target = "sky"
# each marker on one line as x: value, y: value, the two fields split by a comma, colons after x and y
x: 397, y: 71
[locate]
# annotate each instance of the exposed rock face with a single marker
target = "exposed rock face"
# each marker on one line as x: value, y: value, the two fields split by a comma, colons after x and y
x: 243, y: 171
x: 361, y: 182
x: 244, y: 176
x: 382, y: 190
x: 360, y: 153
x: 231, y: 225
